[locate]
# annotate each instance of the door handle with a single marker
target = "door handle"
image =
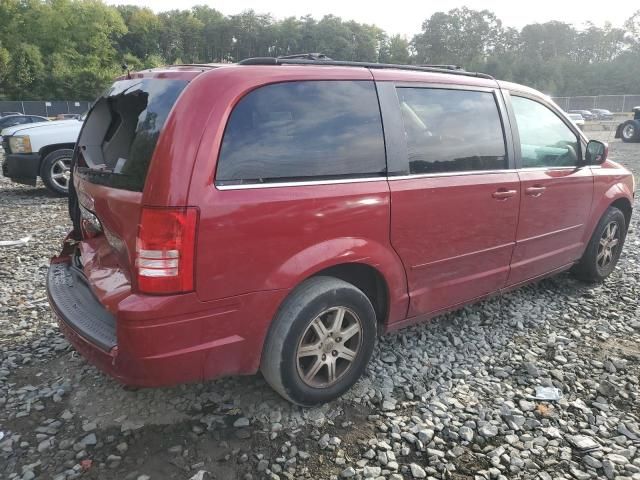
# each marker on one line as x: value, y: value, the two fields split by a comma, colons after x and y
x: 535, y: 191
x: 503, y: 194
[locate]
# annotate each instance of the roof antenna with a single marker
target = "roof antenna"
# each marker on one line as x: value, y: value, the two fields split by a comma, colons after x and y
x: 125, y: 68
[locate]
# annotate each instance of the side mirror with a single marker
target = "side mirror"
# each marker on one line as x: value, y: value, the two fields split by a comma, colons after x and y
x: 596, y: 153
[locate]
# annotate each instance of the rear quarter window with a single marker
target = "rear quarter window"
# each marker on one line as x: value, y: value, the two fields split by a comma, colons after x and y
x: 305, y: 130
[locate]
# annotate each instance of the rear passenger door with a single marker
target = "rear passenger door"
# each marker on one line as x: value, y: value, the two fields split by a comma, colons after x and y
x: 556, y: 190
x: 454, y: 195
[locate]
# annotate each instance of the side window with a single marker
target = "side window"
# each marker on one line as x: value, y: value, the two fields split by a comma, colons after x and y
x: 17, y: 121
x: 302, y: 131
x: 545, y: 140
x: 452, y: 130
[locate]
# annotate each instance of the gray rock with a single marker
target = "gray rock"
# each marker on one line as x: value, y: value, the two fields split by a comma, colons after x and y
x: 89, y: 440
x: 617, y: 459
x: 488, y: 430
x: 466, y: 434
x: 388, y: 405
x: 44, y: 445
x: 28, y: 475
x: 527, y: 406
x: 389, y: 358
x: 417, y: 471
x: 579, y: 474
x: 584, y: 443
x: 532, y: 370
x: 371, y: 471
x: 241, y: 422
x: 609, y: 469
x: 426, y: 435
x: 348, y: 472
x: 592, y: 462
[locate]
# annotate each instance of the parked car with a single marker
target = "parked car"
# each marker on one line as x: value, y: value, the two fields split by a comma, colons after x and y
x: 6, y: 114
x: 586, y: 114
x: 577, y: 119
x: 11, y: 120
x: 602, y: 114
x: 629, y: 131
x: 257, y: 216
x: 68, y: 116
x: 42, y: 150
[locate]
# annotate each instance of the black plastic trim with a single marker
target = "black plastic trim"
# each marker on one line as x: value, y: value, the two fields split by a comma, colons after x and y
x: 393, y: 128
x: 76, y: 305
x: 372, y: 65
x: 21, y: 165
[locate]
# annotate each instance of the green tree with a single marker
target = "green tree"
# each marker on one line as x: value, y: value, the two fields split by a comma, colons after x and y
x: 461, y: 36
x: 74, y: 48
x: 26, y: 71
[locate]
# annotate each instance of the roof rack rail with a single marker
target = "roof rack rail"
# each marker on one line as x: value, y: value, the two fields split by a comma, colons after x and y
x: 304, y: 59
x: 445, y: 67
x: 308, y: 56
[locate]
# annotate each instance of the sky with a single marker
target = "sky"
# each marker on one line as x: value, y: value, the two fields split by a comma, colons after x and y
x: 406, y: 16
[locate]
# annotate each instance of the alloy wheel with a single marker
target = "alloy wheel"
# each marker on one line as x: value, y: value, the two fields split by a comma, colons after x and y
x: 609, y: 242
x: 61, y: 173
x: 628, y: 132
x: 328, y: 347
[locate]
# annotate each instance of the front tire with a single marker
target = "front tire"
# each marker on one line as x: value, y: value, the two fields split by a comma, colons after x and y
x: 320, y: 341
x: 630, y: 131
x: 604, y: 247
x: 55, y: 171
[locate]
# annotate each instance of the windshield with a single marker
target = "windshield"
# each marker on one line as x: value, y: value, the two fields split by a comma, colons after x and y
x: 122, y: 129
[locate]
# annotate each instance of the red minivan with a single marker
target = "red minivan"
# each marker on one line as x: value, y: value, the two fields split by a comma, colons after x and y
x: 279, y: 213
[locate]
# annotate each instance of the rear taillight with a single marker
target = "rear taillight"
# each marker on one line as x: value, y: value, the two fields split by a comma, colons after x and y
x: 165, y: 250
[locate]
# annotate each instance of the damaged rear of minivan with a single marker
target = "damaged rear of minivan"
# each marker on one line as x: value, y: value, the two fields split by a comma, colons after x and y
x: 131, y: 250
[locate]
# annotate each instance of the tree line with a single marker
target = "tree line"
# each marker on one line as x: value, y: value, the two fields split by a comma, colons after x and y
x: 72, y: 49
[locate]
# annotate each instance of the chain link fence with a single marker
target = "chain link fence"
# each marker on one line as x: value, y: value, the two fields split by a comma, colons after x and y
x: 45, y: 109
x: 613, y: 103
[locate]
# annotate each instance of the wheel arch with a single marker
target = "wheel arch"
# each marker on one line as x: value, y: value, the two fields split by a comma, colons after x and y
x: 624, y: 205
x: 618, y: 195
x: 374, y: 268
x: 366, y: 278
x: 47, y: 149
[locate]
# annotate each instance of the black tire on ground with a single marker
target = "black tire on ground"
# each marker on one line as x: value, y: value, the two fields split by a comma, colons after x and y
x: 288, y: 367
x: 54, y: 171
x: 630, y: 131
x: 604, y: 247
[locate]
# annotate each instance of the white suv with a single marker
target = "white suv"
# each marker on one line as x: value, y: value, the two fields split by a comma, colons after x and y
x: 41, y: 150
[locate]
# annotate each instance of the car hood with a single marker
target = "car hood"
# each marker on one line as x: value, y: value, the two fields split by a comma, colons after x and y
x: 33, y: 127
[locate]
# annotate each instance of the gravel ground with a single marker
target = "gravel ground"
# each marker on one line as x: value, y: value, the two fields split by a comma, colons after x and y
x: 453, y: 399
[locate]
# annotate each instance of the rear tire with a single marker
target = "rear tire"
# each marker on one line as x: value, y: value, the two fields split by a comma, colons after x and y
x: 55, y: 171
x: 630, y: 131
x: 320, y: 341
x: 604, y: 247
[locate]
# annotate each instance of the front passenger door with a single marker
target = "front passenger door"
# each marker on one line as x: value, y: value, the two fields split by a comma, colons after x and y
x: 556, y: 190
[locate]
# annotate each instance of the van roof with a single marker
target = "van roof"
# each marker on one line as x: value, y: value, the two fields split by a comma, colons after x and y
x: 449, y: 74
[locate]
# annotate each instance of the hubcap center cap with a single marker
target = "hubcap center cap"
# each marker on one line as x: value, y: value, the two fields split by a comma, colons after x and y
x: 328, y: 346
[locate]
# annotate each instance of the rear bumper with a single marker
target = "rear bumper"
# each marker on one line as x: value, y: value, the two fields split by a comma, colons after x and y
x: 163, y: 340
x: 72, y: 299
x: 21, y: 167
